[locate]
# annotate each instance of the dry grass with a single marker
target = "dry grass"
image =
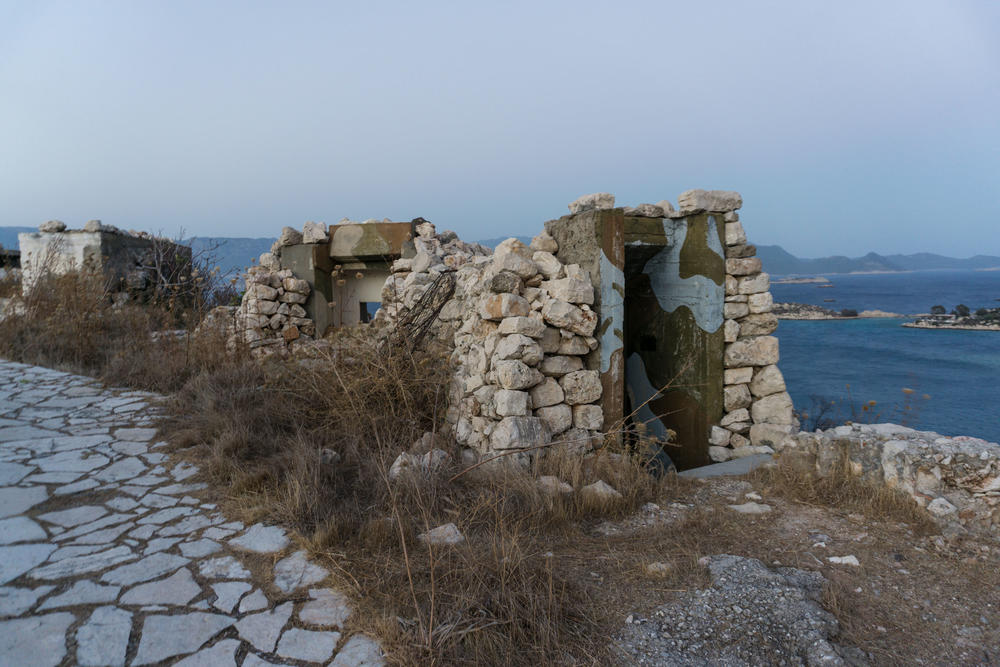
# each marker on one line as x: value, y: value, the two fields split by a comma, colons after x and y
x: 263, y: 432
x: 70, y: 323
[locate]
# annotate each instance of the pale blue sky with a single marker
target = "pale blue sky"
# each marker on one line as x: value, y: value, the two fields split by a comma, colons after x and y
x: 848, y: 126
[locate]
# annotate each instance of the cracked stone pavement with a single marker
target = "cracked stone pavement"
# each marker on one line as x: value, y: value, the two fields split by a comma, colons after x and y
x: 108, y: 557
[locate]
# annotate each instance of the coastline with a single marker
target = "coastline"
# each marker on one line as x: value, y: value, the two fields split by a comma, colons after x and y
x: 956, y: 327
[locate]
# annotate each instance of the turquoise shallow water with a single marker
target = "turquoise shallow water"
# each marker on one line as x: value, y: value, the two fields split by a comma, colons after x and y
x: 959, y: 370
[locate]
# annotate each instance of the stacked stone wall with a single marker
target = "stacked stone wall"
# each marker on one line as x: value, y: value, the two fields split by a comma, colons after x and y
x: 519, y: 324
x: 271, y: 318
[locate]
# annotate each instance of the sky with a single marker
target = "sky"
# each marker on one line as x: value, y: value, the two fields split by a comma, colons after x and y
x: 847, y: 126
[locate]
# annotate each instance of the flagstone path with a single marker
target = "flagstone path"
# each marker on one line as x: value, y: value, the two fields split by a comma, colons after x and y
x: 108, y: 557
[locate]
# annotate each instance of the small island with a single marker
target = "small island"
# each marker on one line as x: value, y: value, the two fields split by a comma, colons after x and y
x: 806, y: 311
x: 983, y: 319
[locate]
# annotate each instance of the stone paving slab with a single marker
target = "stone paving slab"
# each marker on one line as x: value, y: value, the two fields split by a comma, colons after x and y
x: 107, y: 557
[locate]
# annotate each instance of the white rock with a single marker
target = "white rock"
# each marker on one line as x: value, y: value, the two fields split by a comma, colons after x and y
x: 760, y: 351
x: 544, y: 243
x: 760, y: 303
x: 735, y: 397
x: 148, y: 568
x: 547, y: 393
x: 719, y: 454
x: 560, y: 365
x: 359, y: 651
x: 289, y: 236
x: 564, y: 315
x: 103, y: 638
x: 581, y: 387
x: 254, y: 602
x: 527, y: 326
x: 510, y: 403
x: 554, y: 486
x: 516, y: 432
x: 225, y: 567
x: 20, y: 529
x: 719, y: 437
x: 446, y: 534
x: 72, y: 567
x: 177, y: 589
x: 767, y: 380
x: 749, y: 450
x: 941, y: 508
x: 262, y: 630
x: 600, y: 492
x: 595, y: 201
x: 751, y: 285
x: 220, y: 654
x: 296, y: 571
x: 16, y: 601
x: 556, y: 418
x: 548, y: 265
x: 570, y: 290
x: 262, y: 539
x: 588, y: 417
x: 326, y: 608
x: 735, y: 234
x: 228, y: 594
x: 713, y: 201
x: 167, y: 636
x: 515, y: 374
x: 518, y: 346
x: 738, y: 376
x: 52, y: 226
x: 773, y: 409
x: 308, y: 645
x: 39, y: 641
x: 314, y: 232
x: 75, y: 516
x: 750, y: 508
x: 844, y: 560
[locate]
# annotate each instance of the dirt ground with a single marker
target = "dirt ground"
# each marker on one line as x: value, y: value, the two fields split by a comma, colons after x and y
x: 917, y: 598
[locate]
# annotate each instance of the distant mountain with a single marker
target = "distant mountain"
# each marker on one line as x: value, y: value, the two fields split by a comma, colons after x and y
x: 8, y: 236
x: 232, y: 254
x: 778, y: 261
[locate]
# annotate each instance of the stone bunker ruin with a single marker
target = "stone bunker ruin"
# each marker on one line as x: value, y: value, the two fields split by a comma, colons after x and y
x: 614, y: 319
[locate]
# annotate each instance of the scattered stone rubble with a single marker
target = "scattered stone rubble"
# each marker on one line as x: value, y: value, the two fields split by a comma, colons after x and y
x: 749, y: 615
x: 957, y: 479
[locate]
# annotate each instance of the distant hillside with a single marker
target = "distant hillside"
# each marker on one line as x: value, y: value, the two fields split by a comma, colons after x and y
x: 778, y: 261
x: 8, y: 236
x: 233, y: 254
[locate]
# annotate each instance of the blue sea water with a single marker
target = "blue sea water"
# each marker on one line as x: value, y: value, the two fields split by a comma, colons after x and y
x: 875, y: 359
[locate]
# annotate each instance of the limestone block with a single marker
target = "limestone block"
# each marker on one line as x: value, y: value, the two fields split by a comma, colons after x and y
x: 295, y: 285
x: 719, y: 454
x: 52, y: 227
x: 578, y: 272
x: 731, y: 216
x: 402, y: 265
x: 269, y: 261
x: 754, y: 284
x: 743, y: 267
x: 645, y: 211
x: 548, y: 392
x: 738, y: 375
x: 505, y: 281
x: 514, y: 374
x: 518, y: 346
x: 551, y: 340
x: 595, y: 201
x: 289, y: 236
x: 741, y: 251
x: 293, y: 297
x: 544, y: 243
x: 498, y: 306
x: 736, y: 396
x: 548, y: 265
x: 515, y: 263
x: 760, y: 351
x: 560, y: 365
x: 574, y: 345
x: 588, y: 417
x: 513, y: 432
x: 735, y: 416
x: 767, y: 380
x: 565, y: 315
x: 740, y: 427
x: 510, y: 403
x: 599, y: 492
x: 732, y: 286
x: 737, y: 298
x: 556, y: 418
x: 532, y: 327
x: 734, y: 310
x: 719, y: 437
x: 758, y: 324
x: 553, y: 486
x: 571, y: 290
x: 314, y: 232
x: 263, y: 307
x: 713, y: 201
x: 760, y: 303
x: 735, y: 234
x: 265, y: 293
x: 751, y: 450
x: 731, y: 331
x: 277, y: 321
x: 773, y: 409
x: 736, y: 441
x: 425, y: 230
x: 771, y: 435
x: 581, y: 386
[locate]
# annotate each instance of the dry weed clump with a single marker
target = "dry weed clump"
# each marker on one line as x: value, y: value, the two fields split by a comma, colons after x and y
x: 70, y: 322
x: 310, y: 443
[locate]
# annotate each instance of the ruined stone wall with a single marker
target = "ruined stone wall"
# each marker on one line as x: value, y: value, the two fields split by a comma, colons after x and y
x: 520, y: 323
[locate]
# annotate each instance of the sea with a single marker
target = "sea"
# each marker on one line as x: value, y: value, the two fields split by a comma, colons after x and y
x: 876, y: 370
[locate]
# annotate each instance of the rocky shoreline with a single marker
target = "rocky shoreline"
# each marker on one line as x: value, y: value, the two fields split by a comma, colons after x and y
x: 984, y: 319
x: 805, y: 311
x: 926, y: 324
